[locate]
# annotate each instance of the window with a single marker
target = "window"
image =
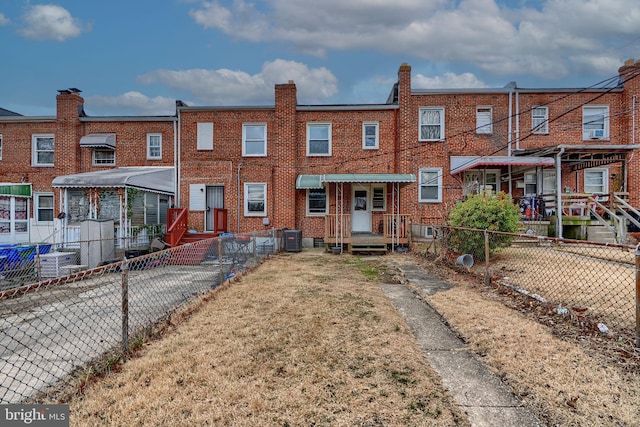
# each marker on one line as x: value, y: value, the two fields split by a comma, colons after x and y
x: 595, y: 181
x: 370, y: 136
x: 44, y: 207
x: 77, y: 206
x: 430, y: 185
x: 431, y: 124
x: 530, y: 183
x: 477, y: 181
x: 318, y: 139
x: 205, y: 136
x: 154, y: 146
x: 316, y: 201
x: 254, y: 139
x: 595, y: 122
x: 484, y: 120
x: 42, y: 149
x: 104, y: 157
x: 379, y: 198
x: 540, y: 120
x: 255, y: 199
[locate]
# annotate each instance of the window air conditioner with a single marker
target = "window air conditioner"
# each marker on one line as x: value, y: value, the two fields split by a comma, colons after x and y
x: 596, y: 133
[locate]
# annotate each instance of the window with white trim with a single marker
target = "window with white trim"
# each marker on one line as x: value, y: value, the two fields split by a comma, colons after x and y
x: 44, y: 207
x: 431, y: 124
x: 540, y: 120
x: 317, y: 201
x: 254, y: 139
x: 204, y: 136
x: 595, y: 122
x: 430, y: 186
x: 370, y: 136
x: 255, y: 199
x: 484, y: 120
x: 154, y: 146
x: 596, y: 181
x: 103, y: 157
x: 318, y: 139
x: 379, y: 198
x: 42, y: 150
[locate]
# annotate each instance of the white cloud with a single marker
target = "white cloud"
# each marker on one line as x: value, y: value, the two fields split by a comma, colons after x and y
x: 50, y: 22
x: 447, y: 81
x: 554, y: 40
x: 229, y: 87
x: 131, y: 102
x: 3, y: 19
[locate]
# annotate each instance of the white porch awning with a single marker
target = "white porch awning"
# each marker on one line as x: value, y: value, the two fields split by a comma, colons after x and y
x: 155, y: 179
x: 462, y: 163
x: 316, y: 181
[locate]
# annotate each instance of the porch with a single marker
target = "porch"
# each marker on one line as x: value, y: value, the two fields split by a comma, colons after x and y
x: 394, y: 232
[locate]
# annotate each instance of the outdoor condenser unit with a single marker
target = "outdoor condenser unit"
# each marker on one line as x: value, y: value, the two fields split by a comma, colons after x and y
x: 292, y: 240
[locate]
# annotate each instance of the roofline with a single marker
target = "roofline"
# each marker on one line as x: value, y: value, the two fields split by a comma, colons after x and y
x: 129, y: 119
x: 27, y: 119
x: 507, y: 90
x: 347, y: 107
x: 226, y: 108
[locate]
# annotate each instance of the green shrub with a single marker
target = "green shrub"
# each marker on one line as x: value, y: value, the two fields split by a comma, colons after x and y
x: 483, y: 212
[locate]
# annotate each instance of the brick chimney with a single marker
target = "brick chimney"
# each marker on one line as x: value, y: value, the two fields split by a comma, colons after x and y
x: 284, y: 154
x: 69, y: 107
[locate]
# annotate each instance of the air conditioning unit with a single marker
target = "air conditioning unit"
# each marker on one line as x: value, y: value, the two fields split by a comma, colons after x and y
x: 596, y: 133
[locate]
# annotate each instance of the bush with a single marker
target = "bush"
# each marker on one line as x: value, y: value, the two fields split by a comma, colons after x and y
x: 483, y: 212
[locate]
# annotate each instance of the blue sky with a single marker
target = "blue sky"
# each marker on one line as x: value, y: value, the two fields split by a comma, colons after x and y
x: 137, y: 57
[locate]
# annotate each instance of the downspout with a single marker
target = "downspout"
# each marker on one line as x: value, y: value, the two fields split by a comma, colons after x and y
x: 395, y: 141
x: 239, y: 196
x: 510, y: 130
x: 559, y: 193
x: 176, y: 155
x: 633, y: 142
x: 517, y: 120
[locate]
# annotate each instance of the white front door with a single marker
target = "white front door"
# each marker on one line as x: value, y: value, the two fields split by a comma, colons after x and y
x: 360, y: 208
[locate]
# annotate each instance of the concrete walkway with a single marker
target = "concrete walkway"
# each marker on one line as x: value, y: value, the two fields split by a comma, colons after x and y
x: 485, y: 399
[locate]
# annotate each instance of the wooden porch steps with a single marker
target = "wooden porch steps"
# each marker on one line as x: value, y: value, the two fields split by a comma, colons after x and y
x: 370, y: 247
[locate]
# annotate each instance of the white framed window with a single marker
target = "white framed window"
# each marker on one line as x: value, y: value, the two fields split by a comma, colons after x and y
x: 430, y: 188
x: 255, y: 199
x: 595, y: 122
x: 204, y: 136
x: 317, y: 201
x: 596, y: 181
x: 44, y: 207
x: 379, y: 198
x: 154, y: 146
x: 540, y: 120
x: 370, y: 136
x: 102, y: 157
x: 0, y: 146
x: 484, y: 120
x: 318, y: 139
x: 431, y: 124
x: 254, y: 139
x: 42, y: 150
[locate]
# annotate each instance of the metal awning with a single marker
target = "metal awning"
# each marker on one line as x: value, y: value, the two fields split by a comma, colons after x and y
x: 316, y: 181
x: 155, y: 179
x: 8, y: 189
x: 462, y: 163
x: 99, y: 140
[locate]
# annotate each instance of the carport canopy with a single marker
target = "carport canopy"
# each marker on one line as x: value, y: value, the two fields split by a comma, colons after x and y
x: 155, y: 179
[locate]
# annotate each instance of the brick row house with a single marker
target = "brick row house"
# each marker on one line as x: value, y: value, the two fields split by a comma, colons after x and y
x: 348, y: 175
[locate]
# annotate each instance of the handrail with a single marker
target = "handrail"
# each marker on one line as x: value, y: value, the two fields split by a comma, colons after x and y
x: 178, y: 225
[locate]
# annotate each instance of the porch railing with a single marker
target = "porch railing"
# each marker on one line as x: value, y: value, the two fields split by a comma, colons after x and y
x: 177, y: 220
x: 337, y: 226
x: 398, y: 225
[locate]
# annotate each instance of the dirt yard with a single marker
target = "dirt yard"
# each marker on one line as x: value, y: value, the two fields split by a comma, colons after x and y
x: 310, y: 339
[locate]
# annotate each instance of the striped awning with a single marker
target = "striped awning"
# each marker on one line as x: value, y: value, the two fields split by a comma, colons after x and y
x: 316, y: 181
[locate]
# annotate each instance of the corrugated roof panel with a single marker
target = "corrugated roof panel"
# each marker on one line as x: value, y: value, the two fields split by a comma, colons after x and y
x: 157, y: 179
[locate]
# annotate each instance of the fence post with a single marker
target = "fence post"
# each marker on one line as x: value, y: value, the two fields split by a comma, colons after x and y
x: 637, y: 296
x: 254, y: 237
x: 125, y: 306
x: 220, y: 246
x: 487, y: 273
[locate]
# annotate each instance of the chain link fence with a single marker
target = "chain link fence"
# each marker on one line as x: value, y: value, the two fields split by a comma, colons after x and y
x: 592, y: 283
x: 57, y: 315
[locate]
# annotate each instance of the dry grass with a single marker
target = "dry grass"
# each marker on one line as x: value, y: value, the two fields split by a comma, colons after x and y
x: 564, y: 382
x: 305, y: 339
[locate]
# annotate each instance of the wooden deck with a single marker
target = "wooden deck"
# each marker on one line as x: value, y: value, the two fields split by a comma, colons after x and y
x: 338, y: 234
